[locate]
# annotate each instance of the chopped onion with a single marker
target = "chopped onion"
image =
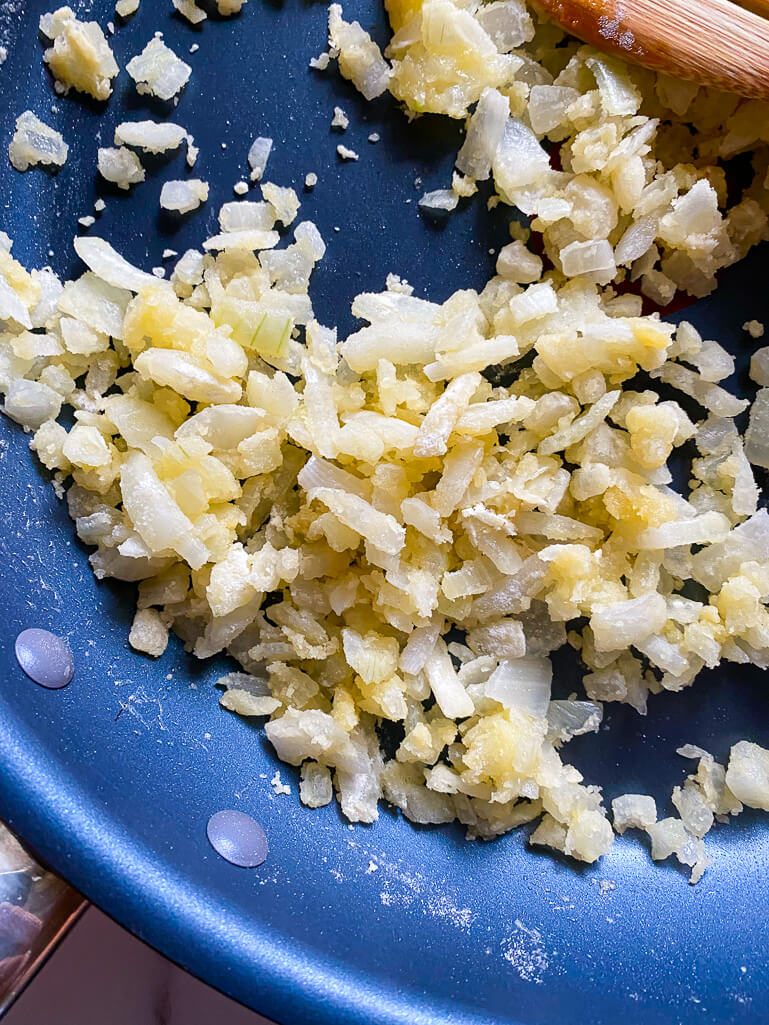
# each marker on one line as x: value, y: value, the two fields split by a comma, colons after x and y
x: 35, y: 143
x: 484, y: 134
x: 615, y: 627
x: 452, y: 698
x: 757, y: 434
x: 439, y: 201
x: 110, y: 266
x: 522, y: 683
x: 151, y: 136
x: 183, y: 196
x: 158, y: 71
x: 567, y: 719
x: 258, y: 155
x: 519, y: 159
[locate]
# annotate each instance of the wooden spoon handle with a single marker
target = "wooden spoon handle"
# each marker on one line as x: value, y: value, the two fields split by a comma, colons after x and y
x: 757, y: 6
x: 712, y: 42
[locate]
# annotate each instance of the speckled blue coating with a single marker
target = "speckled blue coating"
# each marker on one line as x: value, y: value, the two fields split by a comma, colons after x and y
x: 114, y: 778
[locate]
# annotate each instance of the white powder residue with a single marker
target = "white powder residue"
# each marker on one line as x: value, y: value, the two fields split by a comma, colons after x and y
x: 402, y: 888
x: 249, y: 788
x: 278, y: 786
x: 275, y: 878
x: 627, y: 40
x: 606, y: 886
x: 525, y: 951
x: 144, y: 708
x: 608, y: 27
x: 442, y: 907
x: 11, y: 13
x: 557, y: 905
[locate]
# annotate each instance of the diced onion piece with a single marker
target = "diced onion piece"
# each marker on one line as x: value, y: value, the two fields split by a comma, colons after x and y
x: 360, y: 58
x: 451, y: 697
x: 110, y: 266
x: 747, y: 775
x: 31, y: 403
x: 381, y: 529
x: 507, y: 22
x: 714, y: 398
x: 443, y: 415
x: 616, y: 627
x: 439, y: 201
x: 708, y: 528
x: 150, y: 136
x: 419, y: 646
x: 484, y: 134
x: 246, y: 216
x: 11, y: 305
x: 120, y: 166
x: 244, y: 703
x: 315, y: 789
x: 633, y: 811
x: 593, y: 259
x: 519, y: 159
x: 567, y: 719
x: 158, y: 71
x: 517, y: 263
x: 548, y: 106
x: 522, y: 683
x: 183, y: 196
x: 179, y: 370
x: 149, y: 633
x: 759, y: 366
x: 80, y: 57
x: 757, y: 434
x: 297, y: 735
x: 581, y: 427
x: 619, y: 96
x: 638, y: 239
x: 248, y: 239
x: 157, y: 518
x: 747, y: 542
x: 35, y: 143
x: 317, y: 474
x: 190, y: 10
x: 258, y: 155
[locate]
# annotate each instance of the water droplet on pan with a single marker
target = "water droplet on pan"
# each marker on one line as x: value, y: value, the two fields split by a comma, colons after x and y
x: 238, y: 838
x: 45, y: 658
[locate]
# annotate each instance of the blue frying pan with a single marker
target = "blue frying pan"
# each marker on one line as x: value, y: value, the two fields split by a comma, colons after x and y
x: 113, y: 779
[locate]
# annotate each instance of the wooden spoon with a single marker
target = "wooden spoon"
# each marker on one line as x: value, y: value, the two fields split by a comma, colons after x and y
x: 713, y: 42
